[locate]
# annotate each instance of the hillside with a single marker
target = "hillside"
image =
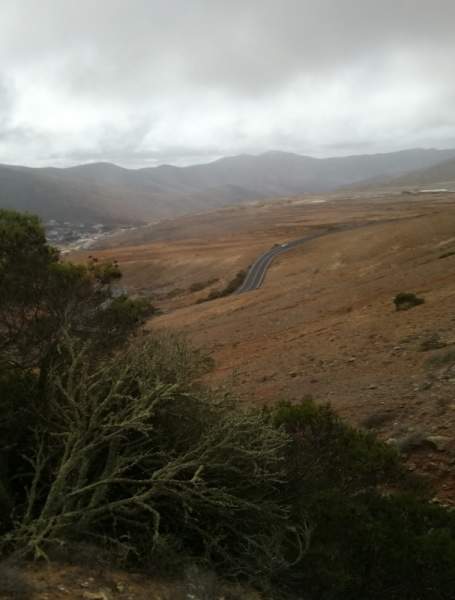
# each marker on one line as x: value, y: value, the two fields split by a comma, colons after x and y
x: 109, y: 193
x: 440, y: 175
x: 324, y: 323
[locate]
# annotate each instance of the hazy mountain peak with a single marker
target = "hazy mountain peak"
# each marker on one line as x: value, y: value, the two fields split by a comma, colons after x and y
x: 105, y: 192
x: 103, y: 165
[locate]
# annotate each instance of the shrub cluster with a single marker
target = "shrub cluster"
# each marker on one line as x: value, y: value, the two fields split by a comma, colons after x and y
x: 230, y: 288
x: 374, y: 533
x: 129, y: 455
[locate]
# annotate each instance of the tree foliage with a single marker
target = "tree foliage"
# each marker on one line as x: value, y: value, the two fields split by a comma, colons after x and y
x: 129, y: 456
x: 42, y: 299
x: 42, y: 296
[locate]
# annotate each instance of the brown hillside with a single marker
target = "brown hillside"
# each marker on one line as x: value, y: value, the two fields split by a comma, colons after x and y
x: 324, y: 323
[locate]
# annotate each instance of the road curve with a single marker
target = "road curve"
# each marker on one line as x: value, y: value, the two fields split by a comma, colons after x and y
x: 258, y: 269
x: 256, y: 273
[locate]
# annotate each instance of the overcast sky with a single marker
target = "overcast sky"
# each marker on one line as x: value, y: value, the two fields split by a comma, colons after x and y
x: 142, y: 82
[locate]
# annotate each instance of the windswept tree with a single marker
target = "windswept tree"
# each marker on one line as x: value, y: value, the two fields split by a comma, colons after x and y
x: 42, y: 299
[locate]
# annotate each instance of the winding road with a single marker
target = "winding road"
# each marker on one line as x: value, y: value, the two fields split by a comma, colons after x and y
x: 257, y: 272
x: 258, y: 269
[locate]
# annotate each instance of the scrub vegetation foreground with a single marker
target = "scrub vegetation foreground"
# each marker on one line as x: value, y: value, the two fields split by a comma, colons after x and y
x: 107, y: 439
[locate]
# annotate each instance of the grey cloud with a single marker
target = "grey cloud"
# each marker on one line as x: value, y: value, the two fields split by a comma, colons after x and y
x: 6, y: 105
x: 183, y: 80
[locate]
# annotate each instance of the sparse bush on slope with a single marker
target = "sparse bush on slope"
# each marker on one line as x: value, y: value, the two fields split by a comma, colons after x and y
x: 405, y: 301
x: 230, y: 288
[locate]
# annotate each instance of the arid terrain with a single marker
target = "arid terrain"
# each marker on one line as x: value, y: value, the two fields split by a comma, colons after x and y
x: 94, y: 580
x: 324, y: 323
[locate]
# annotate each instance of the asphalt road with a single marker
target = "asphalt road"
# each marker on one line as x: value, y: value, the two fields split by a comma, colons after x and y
x: 258, y: 270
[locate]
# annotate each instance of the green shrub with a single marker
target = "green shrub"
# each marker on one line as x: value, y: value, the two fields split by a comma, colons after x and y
x: 234, y: 284
x: 379, y: 546
x: 405, y: 301
x: 371, y: 523
x: 328, y: 454
x: 130, y: 454
x: 230, y: 288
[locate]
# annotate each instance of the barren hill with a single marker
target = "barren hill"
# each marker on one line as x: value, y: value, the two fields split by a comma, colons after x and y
x: 440, y: 175
x: 109, y: 193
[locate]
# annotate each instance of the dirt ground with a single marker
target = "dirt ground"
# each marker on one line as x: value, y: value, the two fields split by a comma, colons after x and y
x: 324, y: 323
x: 63, y: 581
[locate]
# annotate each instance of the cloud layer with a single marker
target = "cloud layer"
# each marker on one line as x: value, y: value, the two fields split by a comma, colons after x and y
x: 142, y: 82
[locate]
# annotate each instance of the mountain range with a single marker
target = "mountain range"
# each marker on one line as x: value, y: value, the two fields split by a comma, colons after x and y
x: 107, y: 193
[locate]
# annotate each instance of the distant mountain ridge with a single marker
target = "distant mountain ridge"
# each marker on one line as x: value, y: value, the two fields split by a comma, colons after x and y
x: 440, y: 175
x: 107, y: 193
